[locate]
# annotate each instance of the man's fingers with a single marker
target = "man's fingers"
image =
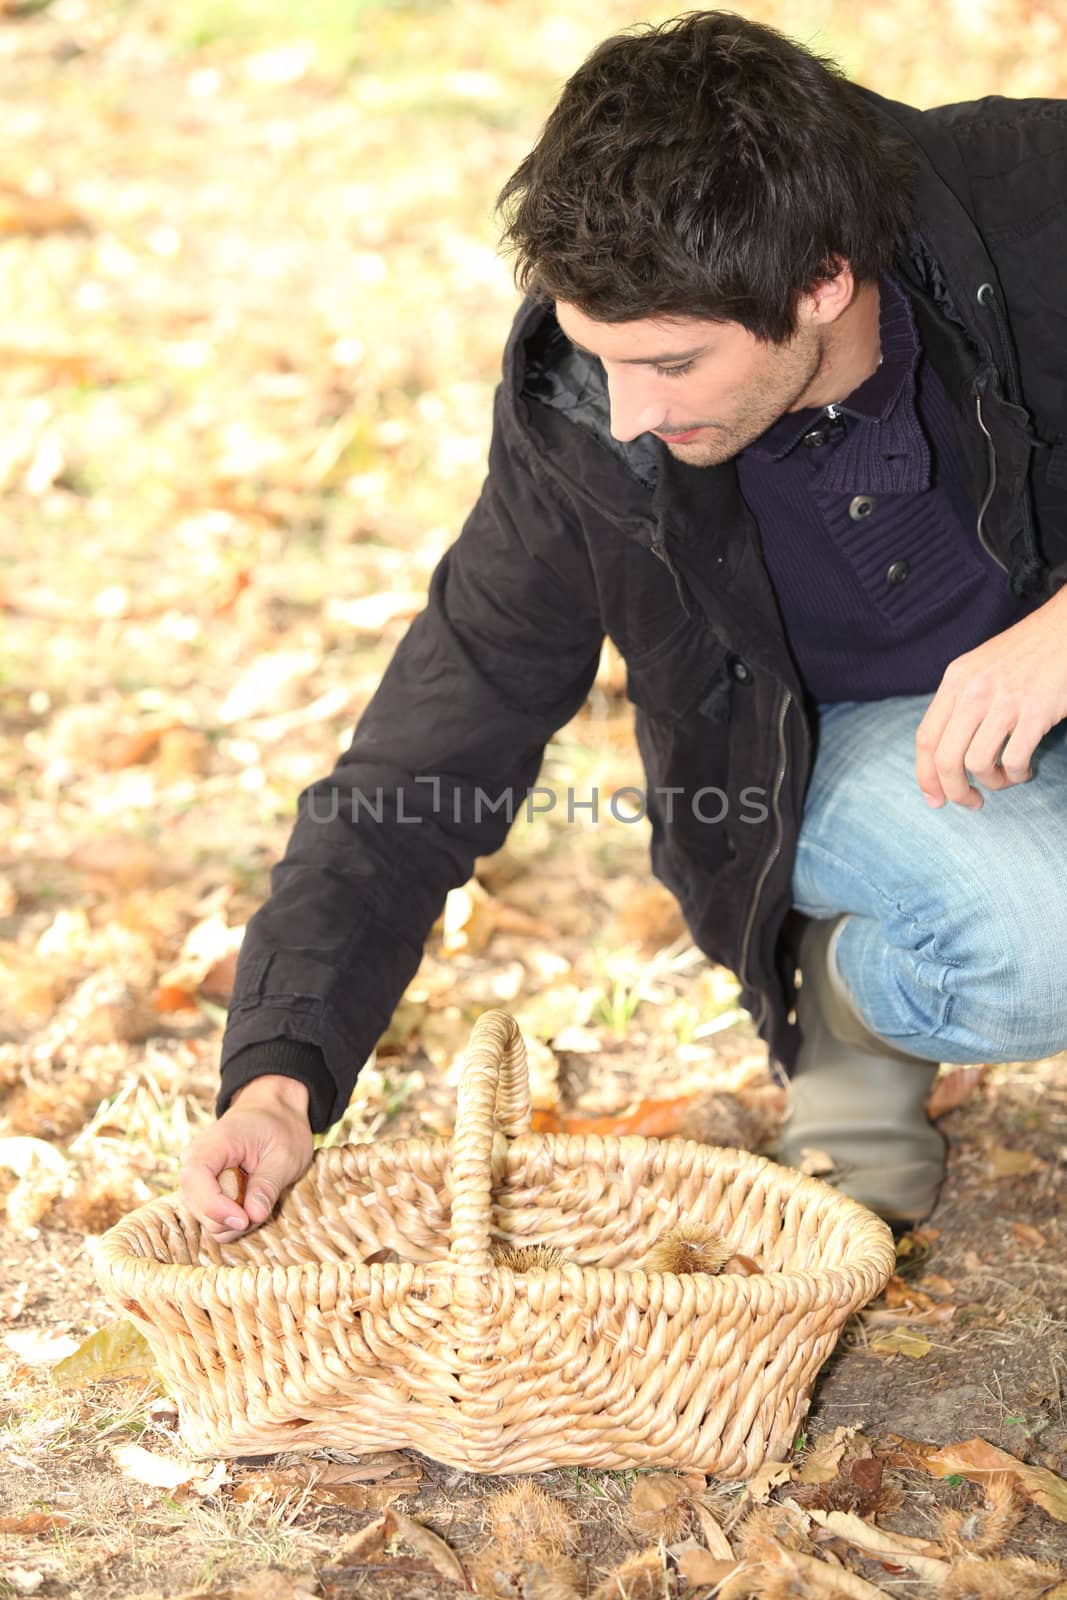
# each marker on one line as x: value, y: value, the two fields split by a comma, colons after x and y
x: 1018, y: 752
x: 983, y: 753
x: 200, y: 1190
x: 262, y: 1196
x: 927, y: 738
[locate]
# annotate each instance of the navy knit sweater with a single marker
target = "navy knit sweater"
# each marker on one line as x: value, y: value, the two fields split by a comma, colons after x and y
x: 868, y: 533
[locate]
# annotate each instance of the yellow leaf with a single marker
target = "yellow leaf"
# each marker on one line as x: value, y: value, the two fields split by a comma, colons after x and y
x: 115, y: 1351
x: 900, y: 1342
x: 1005, y: 1163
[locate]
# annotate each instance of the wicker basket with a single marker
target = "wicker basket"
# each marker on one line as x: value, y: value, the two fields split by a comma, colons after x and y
x: 289, y: 1338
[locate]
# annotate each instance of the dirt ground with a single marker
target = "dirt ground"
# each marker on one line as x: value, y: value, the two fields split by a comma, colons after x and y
x: 251, y: 325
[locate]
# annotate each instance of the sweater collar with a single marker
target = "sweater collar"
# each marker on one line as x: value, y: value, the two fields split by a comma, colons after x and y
x: 883, y: 449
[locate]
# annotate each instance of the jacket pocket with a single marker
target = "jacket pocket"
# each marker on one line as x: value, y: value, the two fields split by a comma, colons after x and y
x: 675, y: 678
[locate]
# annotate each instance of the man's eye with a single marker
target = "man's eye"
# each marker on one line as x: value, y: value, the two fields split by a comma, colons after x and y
x: 673, y: 372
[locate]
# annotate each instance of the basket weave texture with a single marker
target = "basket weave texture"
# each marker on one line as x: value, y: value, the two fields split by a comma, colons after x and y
x: 289, y: 1338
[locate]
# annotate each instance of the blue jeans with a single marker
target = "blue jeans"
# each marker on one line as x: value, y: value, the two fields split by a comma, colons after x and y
x: 957, y: 946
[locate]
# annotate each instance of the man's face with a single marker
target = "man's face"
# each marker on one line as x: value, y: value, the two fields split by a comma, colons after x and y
x: 707, y: 389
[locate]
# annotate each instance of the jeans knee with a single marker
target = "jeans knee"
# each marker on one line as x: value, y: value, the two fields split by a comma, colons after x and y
x: 1008, y: 999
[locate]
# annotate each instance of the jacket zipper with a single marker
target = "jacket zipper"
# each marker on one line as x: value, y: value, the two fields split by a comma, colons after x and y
x: 987, y: 298
x: 991, y: 485
x: 783, y: 711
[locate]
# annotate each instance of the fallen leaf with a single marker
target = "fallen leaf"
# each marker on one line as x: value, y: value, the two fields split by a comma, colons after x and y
x: 159, y: 1472
x: 714, y: 1538
x: 821, y: 1464
x: 427, y: 1544
x: 24, y: 1580
x: 770, y: 1475
x: 652, y: 1119
x: 372, y: 1540
x: 898, y: 1292
x: 117, y: 1350
x: 919, y: 1555
x: 952, y: 1090
x: 1032, y: 1238
x: 373, y: 612
x: 40, y: 1347
x: 900, y: 1342
x: 1005, y: 1163
x: 697, y: 1568
x: 936, y: 1316
x: 977, y: 1459
x: 35, y: 214
x: 35, y: 1522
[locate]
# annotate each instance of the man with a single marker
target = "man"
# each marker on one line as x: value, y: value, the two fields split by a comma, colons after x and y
x: 784, y: 414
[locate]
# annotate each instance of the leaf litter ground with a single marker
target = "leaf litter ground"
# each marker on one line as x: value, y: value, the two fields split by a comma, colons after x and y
x: 253, y: 319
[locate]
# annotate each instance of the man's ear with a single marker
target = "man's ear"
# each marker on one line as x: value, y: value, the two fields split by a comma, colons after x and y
x: 829, y: 295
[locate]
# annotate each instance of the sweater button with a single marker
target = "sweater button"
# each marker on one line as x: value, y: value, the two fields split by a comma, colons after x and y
x: 897, y: 571
x: 860, y: 506
x: 814, y: 439
x: 741, y: 670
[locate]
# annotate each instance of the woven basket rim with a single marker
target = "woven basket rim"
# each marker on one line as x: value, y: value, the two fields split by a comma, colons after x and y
x: 112, y: 1247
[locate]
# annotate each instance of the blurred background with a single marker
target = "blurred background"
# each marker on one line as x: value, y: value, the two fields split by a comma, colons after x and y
x: 251, y: 318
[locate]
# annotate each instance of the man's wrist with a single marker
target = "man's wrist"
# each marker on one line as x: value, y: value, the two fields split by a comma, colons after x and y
x: 272, y: 1089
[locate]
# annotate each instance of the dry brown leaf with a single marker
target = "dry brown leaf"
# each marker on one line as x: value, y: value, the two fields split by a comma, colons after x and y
x: 822, y: 1461
x: 33, y: 1522
x: 651, y: 1119
x: 1032, y: 1238
x: 426, y: 1543
x: 651, y: 917
x: 880, y: 1542
x: 714, y: 1538
x: 952, y: 1090
x: 1004, y: 1163
x: 977, y: 1459
x: 770, y: 1475
x: 35, y: 214
x: 369, y: 1541
x: 698, y: 1568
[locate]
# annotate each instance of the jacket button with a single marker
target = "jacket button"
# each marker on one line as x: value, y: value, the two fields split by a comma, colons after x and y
x: 897, y: 571
x: 860, y: 506
x: 741, y: 670
x: 817, y: 437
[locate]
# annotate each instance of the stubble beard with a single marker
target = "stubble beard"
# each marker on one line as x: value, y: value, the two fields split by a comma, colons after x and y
x: 721, y: 442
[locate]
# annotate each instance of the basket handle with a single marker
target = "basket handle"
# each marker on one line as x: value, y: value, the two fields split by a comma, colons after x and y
x: 494, y: 1095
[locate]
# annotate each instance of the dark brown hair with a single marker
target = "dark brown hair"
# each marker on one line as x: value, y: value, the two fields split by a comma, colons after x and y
x: 705, y: 167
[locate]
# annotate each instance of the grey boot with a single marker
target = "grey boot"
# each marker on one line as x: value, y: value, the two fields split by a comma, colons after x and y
x: 857, y: 1097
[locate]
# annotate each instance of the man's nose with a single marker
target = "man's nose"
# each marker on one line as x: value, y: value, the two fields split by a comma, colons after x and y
x: 633, y: 409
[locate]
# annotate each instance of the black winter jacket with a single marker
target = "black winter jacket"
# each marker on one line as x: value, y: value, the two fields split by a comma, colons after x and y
x: 575, y: 535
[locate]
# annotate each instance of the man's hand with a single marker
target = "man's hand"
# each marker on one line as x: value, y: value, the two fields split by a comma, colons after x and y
x: 1014, y: 688
x: 265, y: 1130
